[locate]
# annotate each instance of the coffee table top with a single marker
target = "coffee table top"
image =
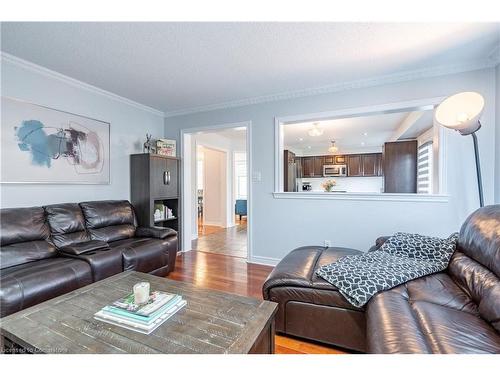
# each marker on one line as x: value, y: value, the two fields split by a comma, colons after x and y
x: 212, y: 321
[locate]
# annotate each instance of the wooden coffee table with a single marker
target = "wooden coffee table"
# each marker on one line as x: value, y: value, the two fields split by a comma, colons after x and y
x: 212, y: 322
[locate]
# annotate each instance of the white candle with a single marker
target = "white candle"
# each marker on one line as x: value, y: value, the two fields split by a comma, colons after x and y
x: 141, y: 292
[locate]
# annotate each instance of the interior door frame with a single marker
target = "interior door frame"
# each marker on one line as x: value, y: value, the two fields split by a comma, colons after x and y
x: 186, y: 180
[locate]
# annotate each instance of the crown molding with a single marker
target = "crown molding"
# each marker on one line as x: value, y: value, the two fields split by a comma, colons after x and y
x: 491, y: 61
x: 74, y: 82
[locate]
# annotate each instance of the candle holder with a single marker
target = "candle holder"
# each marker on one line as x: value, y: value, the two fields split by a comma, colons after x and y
x: 141, y: 292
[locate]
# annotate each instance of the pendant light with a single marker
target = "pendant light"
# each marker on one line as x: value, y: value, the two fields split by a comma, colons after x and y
x: 315, y: 131
x: 332, y: 149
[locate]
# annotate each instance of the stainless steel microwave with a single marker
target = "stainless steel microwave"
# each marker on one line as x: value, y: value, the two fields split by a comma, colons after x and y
x: 334, y: 170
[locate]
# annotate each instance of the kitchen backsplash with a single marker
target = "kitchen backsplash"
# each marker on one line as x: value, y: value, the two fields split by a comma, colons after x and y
x: 349, y: 184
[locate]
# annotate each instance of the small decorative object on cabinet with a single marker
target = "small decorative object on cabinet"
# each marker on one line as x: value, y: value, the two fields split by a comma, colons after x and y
x: 154, y: 186
x: 148, y: 145
x: 166, y: 147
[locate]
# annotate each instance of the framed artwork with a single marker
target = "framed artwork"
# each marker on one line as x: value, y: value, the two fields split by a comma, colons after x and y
x: 45, y: 145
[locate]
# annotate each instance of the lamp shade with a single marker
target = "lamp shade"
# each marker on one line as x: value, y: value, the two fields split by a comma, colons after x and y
x: 461, y: 112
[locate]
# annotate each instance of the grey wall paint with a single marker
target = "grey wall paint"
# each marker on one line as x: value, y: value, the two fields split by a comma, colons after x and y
x: 128, y: 128
x: 280, y: 225
x: 497, y: 147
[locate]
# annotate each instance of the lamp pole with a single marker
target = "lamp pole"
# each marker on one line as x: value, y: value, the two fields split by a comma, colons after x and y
x: 478, y: 170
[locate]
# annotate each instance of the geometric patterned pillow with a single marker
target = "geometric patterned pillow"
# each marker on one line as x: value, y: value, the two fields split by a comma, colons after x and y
x: 420, y: 247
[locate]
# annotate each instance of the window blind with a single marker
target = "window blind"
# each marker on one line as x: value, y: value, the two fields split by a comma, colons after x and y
x: 424, y: 168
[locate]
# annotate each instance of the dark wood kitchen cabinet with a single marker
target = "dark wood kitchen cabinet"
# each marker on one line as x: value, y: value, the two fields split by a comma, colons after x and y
x: 340, y: 159
x: 308, y: 166
x: 400, y: 167
x: 354, y: 166
x: 312, y: 166
x: 329, y: 159
x: 371, y: 164
x: 364, y: 165
x: 319, y: 161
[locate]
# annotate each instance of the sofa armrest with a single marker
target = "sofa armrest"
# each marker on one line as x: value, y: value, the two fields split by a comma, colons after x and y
x: 83, y: 247
x: 155, y: 232
x: 379, y: 242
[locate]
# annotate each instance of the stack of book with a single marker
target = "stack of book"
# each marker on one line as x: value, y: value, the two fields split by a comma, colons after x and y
x: 143, y: 318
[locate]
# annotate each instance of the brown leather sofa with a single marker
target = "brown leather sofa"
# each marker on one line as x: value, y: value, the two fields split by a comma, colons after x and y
x: 456, y: 311
x: 48, y: 251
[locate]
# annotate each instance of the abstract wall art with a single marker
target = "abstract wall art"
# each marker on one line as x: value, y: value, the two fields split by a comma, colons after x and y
x: 45, y: 145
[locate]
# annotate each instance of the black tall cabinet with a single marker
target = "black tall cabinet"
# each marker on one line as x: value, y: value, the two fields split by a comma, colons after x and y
x: 154, y: 179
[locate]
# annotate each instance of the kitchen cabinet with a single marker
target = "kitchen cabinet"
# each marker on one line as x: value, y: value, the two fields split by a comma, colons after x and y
x: 400, y: 167
x: 354, y: 166
x: 370, y: 167
x: 329, y: 159
x: 340, y: 159
x: 319, y: 161
x: 312, y: 166
x: 308, y: 166
x: 358, y: 165
x: 364, y: 165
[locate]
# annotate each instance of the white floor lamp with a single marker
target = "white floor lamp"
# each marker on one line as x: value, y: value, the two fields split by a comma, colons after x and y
x: 461, y: 112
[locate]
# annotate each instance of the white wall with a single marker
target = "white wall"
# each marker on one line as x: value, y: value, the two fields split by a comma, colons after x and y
x: 129, y: 124
x: 280, y: 225
x: 497, y: 147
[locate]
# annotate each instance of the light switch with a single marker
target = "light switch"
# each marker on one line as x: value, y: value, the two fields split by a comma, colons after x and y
x: 256, y: 176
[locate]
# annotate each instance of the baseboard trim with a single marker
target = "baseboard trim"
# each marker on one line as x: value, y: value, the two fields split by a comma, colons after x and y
x: 267, y: 261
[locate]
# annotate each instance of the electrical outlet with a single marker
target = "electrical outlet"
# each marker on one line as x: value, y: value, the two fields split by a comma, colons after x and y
x: 328, y: 243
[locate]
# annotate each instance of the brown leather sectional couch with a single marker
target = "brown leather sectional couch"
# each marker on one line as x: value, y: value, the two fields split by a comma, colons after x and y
x: 52, y: 250
x: 456, y: 311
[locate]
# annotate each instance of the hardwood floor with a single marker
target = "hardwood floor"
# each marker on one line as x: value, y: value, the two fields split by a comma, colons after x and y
x: 235, y: 275
x: 228, y: 241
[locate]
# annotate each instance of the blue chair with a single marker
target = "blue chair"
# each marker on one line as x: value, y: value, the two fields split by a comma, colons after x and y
x: 240, y: 208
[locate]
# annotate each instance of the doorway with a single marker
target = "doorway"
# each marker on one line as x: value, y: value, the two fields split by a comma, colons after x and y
x: 216, y: 190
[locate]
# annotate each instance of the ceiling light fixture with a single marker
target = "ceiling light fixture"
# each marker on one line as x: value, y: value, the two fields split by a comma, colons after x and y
x: 315, y: 131
x: 333, y: 148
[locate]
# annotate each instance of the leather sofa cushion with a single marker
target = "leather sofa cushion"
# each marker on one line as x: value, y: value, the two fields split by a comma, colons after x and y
x: 67, y: 224
x: 479, y: 237
x: 298, y: 268
x: 142, y: 254
x: 24, y: 236
x: 29, y: 284
x: 294, y: 279
x: 100, y: 214
x: 24, y: 252
x: 113, y: 233
x: 428, y: 315
x: 155, y: 232
x: 481, y: 284
x: 22, y: 225
x: 84, y: 247
x: 109, y: 220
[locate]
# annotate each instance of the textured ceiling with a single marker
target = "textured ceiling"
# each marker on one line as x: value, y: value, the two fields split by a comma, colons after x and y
x: 175, y: 66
